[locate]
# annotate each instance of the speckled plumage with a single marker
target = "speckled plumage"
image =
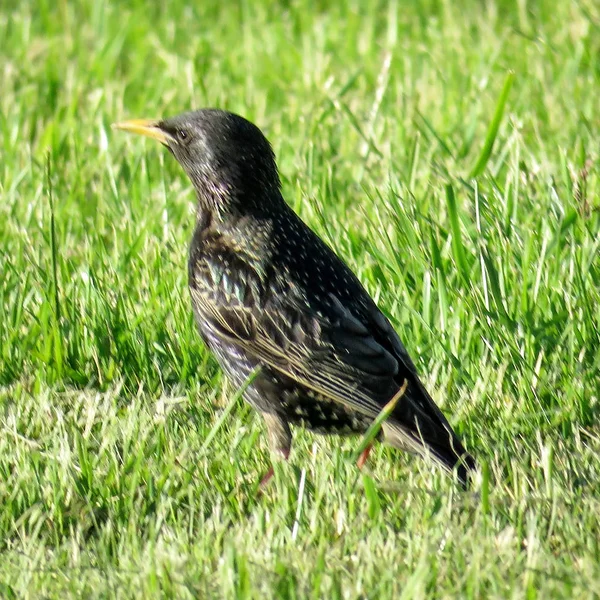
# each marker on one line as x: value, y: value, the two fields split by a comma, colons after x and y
x: 268, y: 292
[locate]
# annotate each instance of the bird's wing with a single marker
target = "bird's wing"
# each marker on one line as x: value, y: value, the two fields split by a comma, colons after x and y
x: 385, y: 334
x: 332, y: 351
x: 354, y: 359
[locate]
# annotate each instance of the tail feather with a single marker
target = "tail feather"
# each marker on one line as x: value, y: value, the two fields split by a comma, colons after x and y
x: 417, y: 425
x: 450, y: 455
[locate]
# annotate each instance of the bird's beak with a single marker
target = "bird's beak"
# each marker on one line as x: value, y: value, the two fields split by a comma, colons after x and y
x: 148, y: 127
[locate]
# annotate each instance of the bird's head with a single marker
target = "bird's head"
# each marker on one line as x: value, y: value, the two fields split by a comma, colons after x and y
x: 228, y: 159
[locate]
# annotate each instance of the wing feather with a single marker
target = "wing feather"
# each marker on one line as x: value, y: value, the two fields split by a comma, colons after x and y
x: 321, y: 354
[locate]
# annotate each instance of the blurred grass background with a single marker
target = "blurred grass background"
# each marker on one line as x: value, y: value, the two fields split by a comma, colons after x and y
x: 447, y: 150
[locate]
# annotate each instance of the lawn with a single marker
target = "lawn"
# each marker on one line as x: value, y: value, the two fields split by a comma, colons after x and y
x: 449, y: 152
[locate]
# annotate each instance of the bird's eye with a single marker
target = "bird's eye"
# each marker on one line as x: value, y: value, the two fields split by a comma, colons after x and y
x: 181, y: 134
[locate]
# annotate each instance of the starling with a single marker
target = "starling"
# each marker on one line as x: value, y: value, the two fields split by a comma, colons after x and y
x: 269, y: 295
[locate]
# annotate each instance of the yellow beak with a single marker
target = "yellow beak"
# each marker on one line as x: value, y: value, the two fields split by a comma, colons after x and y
x: 147, y: 127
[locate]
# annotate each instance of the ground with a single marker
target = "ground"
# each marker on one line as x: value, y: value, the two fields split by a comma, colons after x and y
x: 448, y: 151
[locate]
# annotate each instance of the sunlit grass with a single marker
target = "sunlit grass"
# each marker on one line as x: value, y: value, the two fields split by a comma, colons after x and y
x: 448, y: 151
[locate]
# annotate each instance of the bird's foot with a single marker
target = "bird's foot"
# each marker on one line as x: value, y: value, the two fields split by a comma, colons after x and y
x: 266, y: 478
x: 280, y: 442
x: 362, y: 459
x: 284, y: 453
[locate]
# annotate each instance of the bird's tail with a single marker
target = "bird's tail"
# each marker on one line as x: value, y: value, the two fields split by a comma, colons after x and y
x: 418, y: 425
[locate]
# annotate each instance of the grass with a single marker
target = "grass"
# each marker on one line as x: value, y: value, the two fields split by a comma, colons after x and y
x: 448, y: 150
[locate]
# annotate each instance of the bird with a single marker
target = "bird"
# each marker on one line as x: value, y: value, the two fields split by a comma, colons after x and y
x: 281, y: 310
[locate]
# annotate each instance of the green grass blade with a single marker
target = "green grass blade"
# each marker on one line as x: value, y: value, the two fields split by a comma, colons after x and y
x: 492, y: 132
x: 458, y: 248
x: 227, y: 410
x: 376, y: 425
x: 56, y: 306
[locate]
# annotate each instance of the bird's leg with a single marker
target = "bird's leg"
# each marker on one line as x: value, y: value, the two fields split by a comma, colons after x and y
x: 280, y: 441
x: 362, y: 459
